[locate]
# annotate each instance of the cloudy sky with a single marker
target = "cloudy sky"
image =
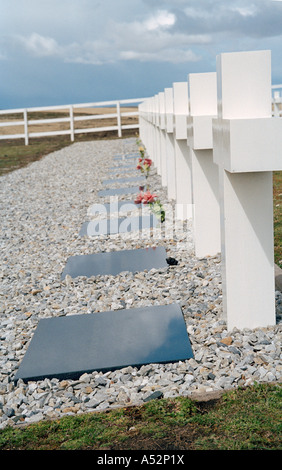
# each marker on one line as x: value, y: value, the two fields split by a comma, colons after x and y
x: 55, y: 52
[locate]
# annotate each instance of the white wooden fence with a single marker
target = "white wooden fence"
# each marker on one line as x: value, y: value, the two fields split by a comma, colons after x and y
x: 277, y: 100
x: 71, y: 119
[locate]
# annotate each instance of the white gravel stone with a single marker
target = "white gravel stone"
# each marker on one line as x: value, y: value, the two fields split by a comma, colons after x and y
x: 42, y: 210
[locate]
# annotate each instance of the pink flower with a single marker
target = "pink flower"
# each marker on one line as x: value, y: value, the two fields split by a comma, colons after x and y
x: 139, y: 198
x: 148, y: 197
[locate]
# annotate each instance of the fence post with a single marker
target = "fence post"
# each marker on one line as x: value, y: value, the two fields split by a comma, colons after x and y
x: 118, y: 119
x: 206, y: 216
x: 247, y: 148
x: 26, y: 139
x: 183, y: 175
x: 71, y: 123
x: 276, y: 103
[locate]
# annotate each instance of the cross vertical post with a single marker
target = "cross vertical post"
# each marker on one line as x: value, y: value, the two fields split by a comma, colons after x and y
x: 206, y: 214
x: 163, y: 169
x: 156, y: 120
x: 247, y: 149
x: 184, y: 201
x: 170, y: 152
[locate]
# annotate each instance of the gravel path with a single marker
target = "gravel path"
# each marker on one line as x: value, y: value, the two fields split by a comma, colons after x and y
x: 43, y: 207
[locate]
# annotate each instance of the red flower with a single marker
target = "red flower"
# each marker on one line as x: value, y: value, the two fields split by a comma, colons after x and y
x: 148, y: 197
x: 139, y: 198
x: 148, y: 161
x: 138, y: 167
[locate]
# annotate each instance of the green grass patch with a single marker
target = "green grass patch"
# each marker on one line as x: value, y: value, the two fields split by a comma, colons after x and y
x: 14, y: 154
x: 243, y: 419
x: 277, y: 216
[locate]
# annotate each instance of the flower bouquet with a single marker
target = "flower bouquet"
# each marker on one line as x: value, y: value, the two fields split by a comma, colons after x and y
x: 138, y: 141
x: 155, y: 204
x: 144, y: 165
x: 142, y: 151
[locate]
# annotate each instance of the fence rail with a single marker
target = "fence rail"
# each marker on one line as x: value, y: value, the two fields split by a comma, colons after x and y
x: 277, y: 100
x: 71, y: 119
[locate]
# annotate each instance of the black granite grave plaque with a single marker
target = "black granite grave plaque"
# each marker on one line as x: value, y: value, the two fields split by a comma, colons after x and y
x: 118, y: 225
x: 67, y: 347
x: 118, y: 191
x: 127, y: 156
x: 112, y: 207
x: 122, y: 167
x: 130, y: 179
x: 118, y: 172
x: 114, y: 262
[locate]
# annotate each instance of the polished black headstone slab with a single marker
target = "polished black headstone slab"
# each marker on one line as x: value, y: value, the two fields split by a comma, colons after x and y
x: 114, y: 225
x: 124, y: 169
x: 67, y: 347
x: 123, y: 174
x: 116, y: 191
x: 124, y: 164
x: 126, y: 157
x: 112, y: 207
x: 114, y: 262
x: 125, y: 180
x: 119, y: 172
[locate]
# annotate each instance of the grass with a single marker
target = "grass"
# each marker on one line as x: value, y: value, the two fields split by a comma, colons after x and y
x: 14, y: 154
x: 243, y: 419
x: 277, y: 215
